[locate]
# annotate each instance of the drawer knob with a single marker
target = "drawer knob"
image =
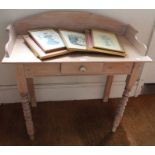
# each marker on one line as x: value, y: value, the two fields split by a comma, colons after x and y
x: 83, y: 69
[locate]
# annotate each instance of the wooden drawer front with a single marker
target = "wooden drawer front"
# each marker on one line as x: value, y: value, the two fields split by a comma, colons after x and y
x: 117, y: 68
x: 42, y: 69
x: 81, y: 68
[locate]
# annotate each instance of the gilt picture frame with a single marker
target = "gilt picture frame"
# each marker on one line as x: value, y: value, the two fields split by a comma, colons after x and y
x: 73, y: 40
x: 106, y: 40
x: 47, y: 39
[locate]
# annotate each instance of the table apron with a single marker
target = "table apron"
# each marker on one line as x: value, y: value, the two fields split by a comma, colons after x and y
x: 88, y: 68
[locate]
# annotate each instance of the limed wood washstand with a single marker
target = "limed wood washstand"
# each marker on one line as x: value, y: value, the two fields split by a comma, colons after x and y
x: 29, y: 66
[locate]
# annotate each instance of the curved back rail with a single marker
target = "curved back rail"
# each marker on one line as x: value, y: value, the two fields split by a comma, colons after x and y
x: 77, y: 21
x: 70, y: 20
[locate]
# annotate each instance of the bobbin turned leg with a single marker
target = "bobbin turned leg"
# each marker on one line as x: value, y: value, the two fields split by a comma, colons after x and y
x: 31, y: 92
x: 23, y: 89
x: 28, y: 116
x: 120, y: 110
x: 131, y: 79
x: 107, y: 88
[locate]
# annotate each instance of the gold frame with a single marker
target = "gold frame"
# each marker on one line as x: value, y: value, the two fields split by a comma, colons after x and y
x: 69, y: 45
x: 42, y: 44
x: 112, y: 43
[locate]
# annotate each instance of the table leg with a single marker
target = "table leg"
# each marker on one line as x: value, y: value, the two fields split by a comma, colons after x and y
x: 28, y: 117
x: 23, y: 90
x: 107, y: 88
x: 131, y: 79
x: 31, y: 92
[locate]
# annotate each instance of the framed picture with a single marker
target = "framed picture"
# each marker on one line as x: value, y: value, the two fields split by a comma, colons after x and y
x: 39, y: 52
x: 47, y: 39
x: 73, y: 40
x: 106, y: 40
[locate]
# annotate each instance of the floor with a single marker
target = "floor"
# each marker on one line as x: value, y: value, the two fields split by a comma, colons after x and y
x: 148, y: 88
x: 85, y: 122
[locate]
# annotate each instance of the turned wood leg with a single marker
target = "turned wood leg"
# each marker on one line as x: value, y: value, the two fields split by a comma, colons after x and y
x: 23, y: 90
x: 31, y: 92
x: 28, y: 116
x: 120, y: 110
x: 107, y: 88
x: 131, y: 79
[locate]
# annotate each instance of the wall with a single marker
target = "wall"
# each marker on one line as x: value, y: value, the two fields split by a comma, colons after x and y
x: 148, y: 74
x: 75, y: 87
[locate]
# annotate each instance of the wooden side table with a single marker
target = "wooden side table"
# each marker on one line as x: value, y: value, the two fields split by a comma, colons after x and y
x: 29, y: 66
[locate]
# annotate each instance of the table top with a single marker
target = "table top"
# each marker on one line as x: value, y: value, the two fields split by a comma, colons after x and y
x: 22, y: 54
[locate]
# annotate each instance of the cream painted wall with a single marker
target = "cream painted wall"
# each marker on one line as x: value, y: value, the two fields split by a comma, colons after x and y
x: 148, y: 74
x: 140, y: 19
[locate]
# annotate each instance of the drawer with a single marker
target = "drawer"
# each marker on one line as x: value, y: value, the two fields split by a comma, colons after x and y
x: 32, y: 70
x: 117, y: 68
x: 81, y: 68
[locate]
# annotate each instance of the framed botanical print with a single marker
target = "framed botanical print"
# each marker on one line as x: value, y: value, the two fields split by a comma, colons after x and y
x: 39, y: 52
x: 47, y: 39
x: 106, y: 40
x: 91, y: 48
x: 73, y: 40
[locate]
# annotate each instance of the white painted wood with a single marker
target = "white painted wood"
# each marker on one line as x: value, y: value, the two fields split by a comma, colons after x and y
x: 76, y: 91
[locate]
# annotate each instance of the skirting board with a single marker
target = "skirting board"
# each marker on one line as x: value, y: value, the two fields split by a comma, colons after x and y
x: 59, y: 92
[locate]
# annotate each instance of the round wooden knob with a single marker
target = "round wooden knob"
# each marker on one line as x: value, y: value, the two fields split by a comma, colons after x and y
x: 83, y: 69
